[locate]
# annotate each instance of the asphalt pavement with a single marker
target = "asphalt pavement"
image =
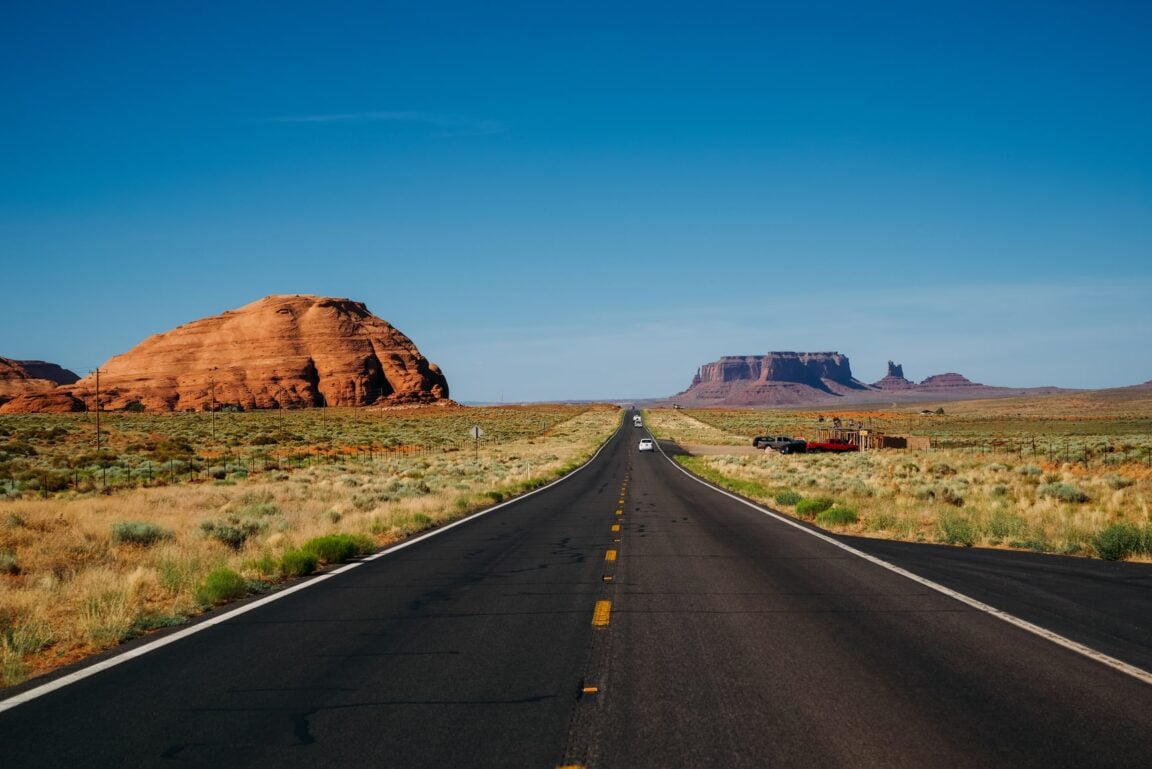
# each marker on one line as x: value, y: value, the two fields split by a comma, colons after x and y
x: 630, y: 617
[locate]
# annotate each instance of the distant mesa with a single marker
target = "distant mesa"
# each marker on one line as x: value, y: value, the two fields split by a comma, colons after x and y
x: 280, y: 351
x: 777, y: 378
x: 948, y: 381
x: 795, y: 378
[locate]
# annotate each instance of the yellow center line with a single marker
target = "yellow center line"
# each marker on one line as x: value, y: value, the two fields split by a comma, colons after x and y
x: 619, y: 511
x: 602, y: 614
x: 615, y: 527
x: 610, y: 555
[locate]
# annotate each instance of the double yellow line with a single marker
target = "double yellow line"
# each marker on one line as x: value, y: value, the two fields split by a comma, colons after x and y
x: 602, y: 614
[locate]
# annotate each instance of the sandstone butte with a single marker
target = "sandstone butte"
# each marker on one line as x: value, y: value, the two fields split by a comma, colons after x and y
x: 280, y: 351
x: 19, y: 378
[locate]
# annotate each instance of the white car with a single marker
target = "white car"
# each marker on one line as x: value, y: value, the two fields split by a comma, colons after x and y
x: 647, y: 444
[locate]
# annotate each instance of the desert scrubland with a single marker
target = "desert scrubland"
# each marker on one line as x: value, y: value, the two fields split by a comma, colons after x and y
x: 174, y: 513
x: 1068, y: 474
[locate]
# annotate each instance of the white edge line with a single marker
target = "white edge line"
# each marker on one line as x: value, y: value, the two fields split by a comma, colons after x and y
x: 1138, y: 673
x: 139, y: 651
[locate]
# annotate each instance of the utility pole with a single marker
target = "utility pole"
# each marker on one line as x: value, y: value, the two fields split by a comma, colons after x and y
x: 99, y: 446
x: 97, y: 412
x: 212, y: 418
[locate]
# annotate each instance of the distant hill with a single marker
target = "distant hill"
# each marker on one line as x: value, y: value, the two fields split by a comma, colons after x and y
x: 799, y: 378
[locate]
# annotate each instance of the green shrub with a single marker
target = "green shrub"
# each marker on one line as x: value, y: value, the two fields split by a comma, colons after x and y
x: 788, y: 497
x: 265, y: 564
x: 138, y: 533
x: 221, y: 585
x: 808, y: 508
x: 1063, y: 491
x: 298, y: 563
x: 1118, y: 541
x: 337, y: 548
x: 837, y: 516
x: 232, y: 531
x: 1002, y: 525
x: 957, y: 530
x: 1030, y: 470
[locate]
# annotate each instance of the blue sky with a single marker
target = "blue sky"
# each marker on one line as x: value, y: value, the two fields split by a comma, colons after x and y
x: 591, y: 199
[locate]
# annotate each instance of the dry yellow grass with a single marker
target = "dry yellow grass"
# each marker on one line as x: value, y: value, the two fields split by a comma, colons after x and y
x: 679, y: 426
x: 991, y: 492
x: 69, y: 587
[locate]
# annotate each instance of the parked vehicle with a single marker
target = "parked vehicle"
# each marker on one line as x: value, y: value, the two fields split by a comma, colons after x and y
x: 833, y: 444
x: 647, y: 444
x: 781, y: 443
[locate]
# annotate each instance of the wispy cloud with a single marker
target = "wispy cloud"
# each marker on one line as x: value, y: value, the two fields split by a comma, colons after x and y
x: 443, y: 125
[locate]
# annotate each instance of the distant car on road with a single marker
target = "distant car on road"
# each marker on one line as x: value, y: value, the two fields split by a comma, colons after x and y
x: 647, y: 444
x: 781, y: 443
x: 833, y: 444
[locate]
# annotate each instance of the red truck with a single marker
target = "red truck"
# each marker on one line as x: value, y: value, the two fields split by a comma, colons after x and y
x: 833, y: 444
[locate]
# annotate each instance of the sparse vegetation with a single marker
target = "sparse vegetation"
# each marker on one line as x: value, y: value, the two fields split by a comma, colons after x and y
x: 1069, y: 474
x: 81, y: 570
x: 337, y: 548
x: 222, y: 585
x: 788, y: 497
x: 810, y: 508
x: 1121, y: 540
x: 837, y: 516
x: 138, y: 533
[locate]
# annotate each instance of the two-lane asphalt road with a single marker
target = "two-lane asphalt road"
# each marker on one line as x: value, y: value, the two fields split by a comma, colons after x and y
x: 626, y: 617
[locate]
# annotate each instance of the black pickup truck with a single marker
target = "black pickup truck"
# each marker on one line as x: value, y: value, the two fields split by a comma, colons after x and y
x: 781, y: 443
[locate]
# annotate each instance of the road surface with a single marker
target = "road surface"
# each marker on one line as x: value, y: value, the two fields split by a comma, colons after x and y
x: 627, y: 617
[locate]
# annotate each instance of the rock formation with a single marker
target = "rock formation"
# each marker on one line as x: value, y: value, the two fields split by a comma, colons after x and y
x: 287, y: 351
x: 797, y: 379
x: 894, y: 379
x: 778, y: 378
x: 949, y: 381
x: 50, y: 402
x: 28, y: 377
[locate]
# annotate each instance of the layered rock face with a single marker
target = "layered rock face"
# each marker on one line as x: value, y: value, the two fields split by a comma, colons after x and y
x: 29, y: 377
x: 279, y: 351
x: 778, y: 378
x: 810, y: 368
